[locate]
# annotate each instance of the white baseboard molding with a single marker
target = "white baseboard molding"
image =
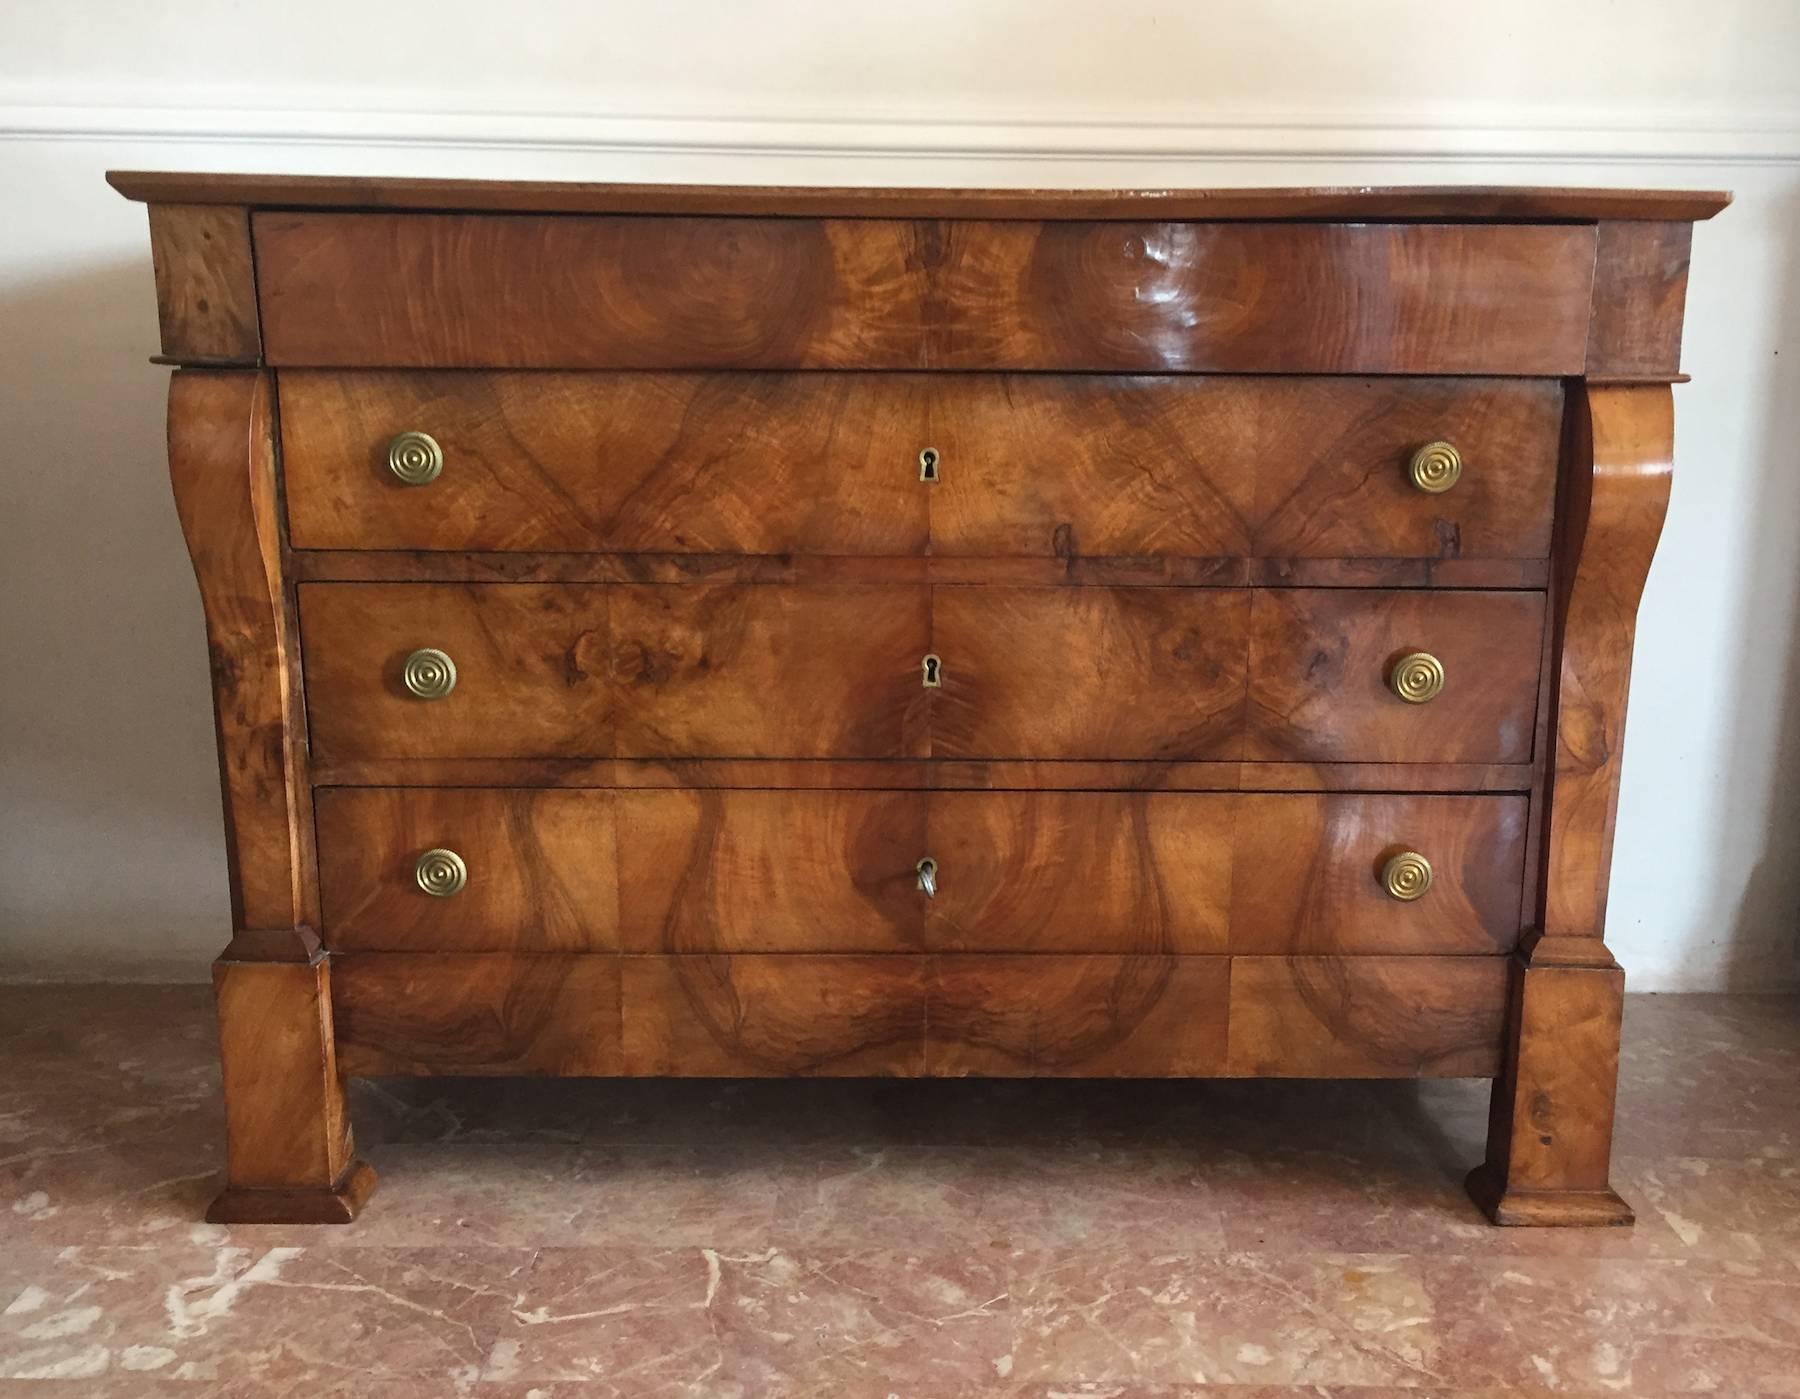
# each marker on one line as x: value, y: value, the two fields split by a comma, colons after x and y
x: 1462, y: 135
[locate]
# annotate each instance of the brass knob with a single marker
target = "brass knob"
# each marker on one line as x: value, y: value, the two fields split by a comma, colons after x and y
x: 429, y: 674
x: 1407, y: 876
x: 1435, y: 467
x: 440, y: 873
x: 415, y: 458
x: 1417, y: 677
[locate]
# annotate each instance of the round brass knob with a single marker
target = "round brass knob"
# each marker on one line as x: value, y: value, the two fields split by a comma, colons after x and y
x: 1417, y: 677
x: 1407, y: 876
x: 1435, y: 467
x: 429, y: 674
x: 415, y: 458
x: 440, y: 873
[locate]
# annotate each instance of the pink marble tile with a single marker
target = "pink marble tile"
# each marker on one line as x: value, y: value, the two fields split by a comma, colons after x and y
x: 1675, y: 1326
x: 764, y: 1322
x: 1106, y: 1316
x: 232, y: 1314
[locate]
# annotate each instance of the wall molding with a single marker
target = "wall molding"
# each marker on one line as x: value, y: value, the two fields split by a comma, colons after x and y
x: 1462, y: 133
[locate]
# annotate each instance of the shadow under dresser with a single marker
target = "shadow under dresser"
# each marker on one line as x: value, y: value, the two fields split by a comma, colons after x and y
x: 686, y: 631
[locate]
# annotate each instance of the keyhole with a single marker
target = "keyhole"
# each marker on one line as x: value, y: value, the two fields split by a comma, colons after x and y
x: 928, y: 464
x: 934, y: 672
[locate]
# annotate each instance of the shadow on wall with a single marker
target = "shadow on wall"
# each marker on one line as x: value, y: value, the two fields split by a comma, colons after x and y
x: 111, y: 861
x: 1763, y: 952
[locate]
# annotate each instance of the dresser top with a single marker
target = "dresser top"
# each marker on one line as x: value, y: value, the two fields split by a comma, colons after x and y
x: 1472, y: 203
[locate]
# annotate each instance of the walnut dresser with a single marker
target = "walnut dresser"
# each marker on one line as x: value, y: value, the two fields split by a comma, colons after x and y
x: 685, y: 631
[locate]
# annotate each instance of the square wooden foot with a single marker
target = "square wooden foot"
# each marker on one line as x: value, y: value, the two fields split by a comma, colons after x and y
x: 338, y: 1205
x: 1579, y: 1209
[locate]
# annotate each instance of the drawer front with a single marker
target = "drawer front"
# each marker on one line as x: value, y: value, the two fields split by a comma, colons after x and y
x: 684, y: 872
x: 821, y: 671
x: 1325, y: 667
x: 573, y: 670
x: 608, y: 292
x: 1135, y: 673
x: 1025, y: 465
x: 1007, y: 1016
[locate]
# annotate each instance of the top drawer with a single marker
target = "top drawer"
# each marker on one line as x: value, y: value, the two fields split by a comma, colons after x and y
x: 378, y: 290
x: 954, y: 465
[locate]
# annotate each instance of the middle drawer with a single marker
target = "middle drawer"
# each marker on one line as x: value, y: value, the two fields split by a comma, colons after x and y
x: 685, y: 871
x: 655, y: 671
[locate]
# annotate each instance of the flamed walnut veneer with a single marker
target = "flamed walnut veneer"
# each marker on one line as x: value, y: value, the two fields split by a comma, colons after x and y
x: 664, y: 630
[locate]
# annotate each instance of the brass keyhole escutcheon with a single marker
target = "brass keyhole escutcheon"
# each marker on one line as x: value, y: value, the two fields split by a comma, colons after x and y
x: 428, y: 674
x: 1407, y: 876
x: 932, y: 671
x: 415, y: 458
x: 1435, y: 468
x: 440, y: 873
x: 928, y: 464
x: 1417, y: 677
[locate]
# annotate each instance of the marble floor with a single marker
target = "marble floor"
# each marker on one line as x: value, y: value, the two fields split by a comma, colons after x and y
x: 887, y: 1238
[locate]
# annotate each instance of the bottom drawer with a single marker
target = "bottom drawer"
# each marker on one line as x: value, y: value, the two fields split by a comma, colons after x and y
x: 1146, y: 1016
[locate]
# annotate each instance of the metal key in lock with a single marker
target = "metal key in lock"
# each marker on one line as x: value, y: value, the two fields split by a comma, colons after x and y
x: 927, y: 872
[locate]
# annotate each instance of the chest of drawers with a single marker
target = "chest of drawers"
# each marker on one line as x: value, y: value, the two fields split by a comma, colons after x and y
x: 678, y: 631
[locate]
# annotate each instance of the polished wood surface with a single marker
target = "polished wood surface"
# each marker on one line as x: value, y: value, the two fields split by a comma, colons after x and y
x: 751, y: 1015
x: 730, y: 871
x: 838, y: 774
x: 732, y: 675
x: 205, y: 284
x: 1367, y: 1017
x: 1507, y: 202
x: 1041, y: 672
x: 543, y: 870
x: 222, y: 469
x: 401, y: 1013
x: 1148, y: 571
x: 1057, y: 466
x: 442, y: 291
x: 1320, y: 662
x: 1618, y: 493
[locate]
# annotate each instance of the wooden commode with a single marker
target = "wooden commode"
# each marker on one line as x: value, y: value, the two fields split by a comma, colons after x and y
x: 685, y: 631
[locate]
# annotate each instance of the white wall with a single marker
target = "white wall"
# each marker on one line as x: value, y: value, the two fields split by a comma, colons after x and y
x: 110, y: 859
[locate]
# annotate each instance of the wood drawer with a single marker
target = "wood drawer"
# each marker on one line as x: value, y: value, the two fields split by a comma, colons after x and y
x: 829, y: 464
x: 837, y: 671
x: 497, y: 291
x: 749, y: 1015
x: 716, y: 871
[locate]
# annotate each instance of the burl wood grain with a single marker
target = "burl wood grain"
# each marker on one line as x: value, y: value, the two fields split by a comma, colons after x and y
x: 1058, y: 466
x: 1306, y: 875
x: 222, y: 468
x: 205, y: 284
x: 741, y: 871
x: 402, y: 1013
x: 543, y: 870
x: 1150, y: 673
x: 1367, y: 1017
x: 1079, y: 872
x: 449, y: 291
x: 717, y: 871
x: 751, y: 1016
x: 1320, y: 661
x: 1144, y: 1016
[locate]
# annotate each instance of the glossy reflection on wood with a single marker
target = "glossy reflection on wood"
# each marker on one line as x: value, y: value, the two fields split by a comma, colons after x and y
x: 1054, y: 466
x: 442, y: 291
x: 1320, y: 662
